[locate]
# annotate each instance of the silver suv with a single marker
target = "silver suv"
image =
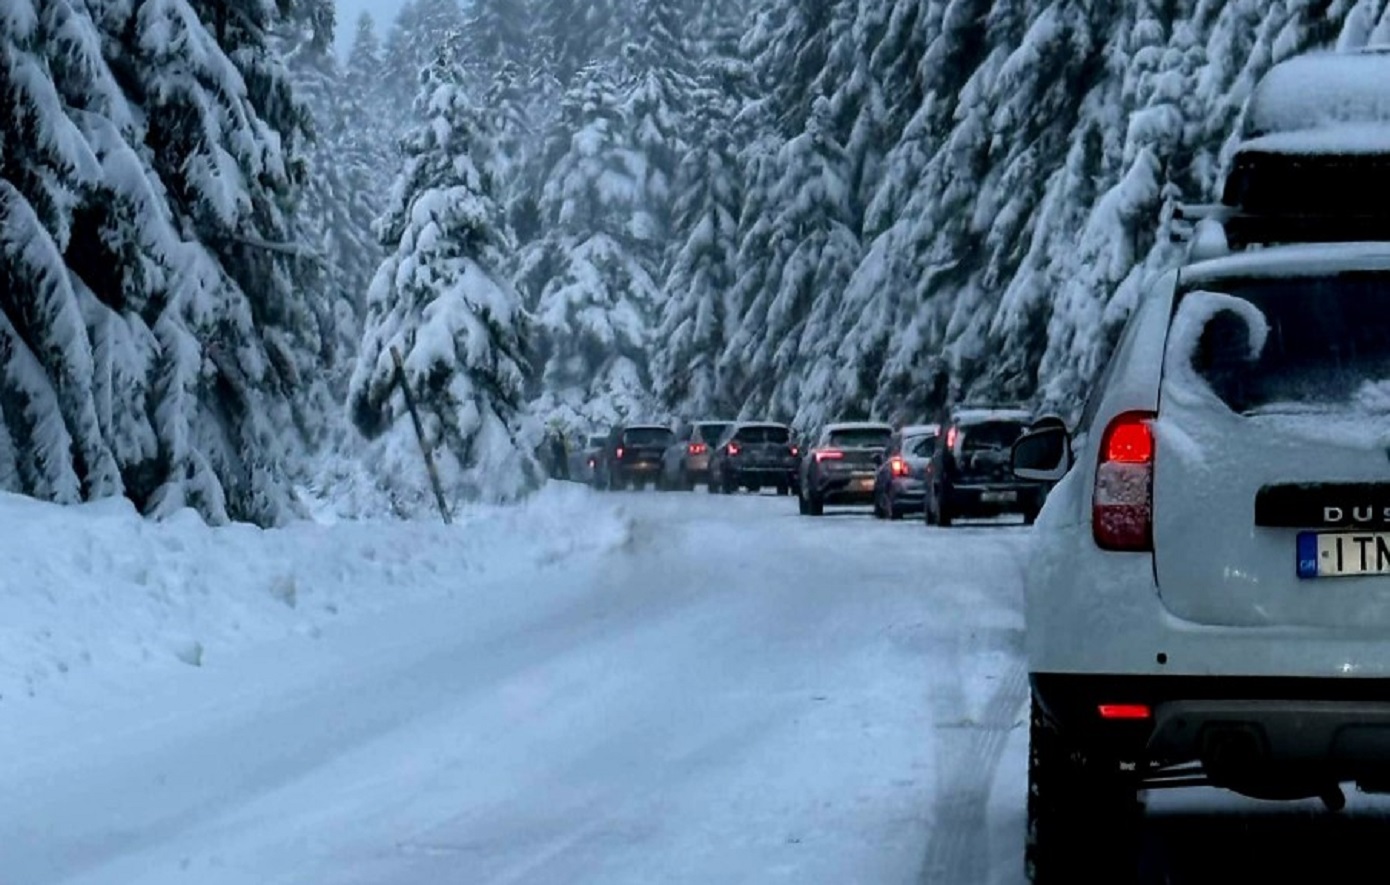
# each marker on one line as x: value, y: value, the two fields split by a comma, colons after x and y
x: 1208, y: 601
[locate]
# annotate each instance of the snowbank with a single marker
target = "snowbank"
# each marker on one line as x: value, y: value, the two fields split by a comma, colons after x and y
x: 96, y: 588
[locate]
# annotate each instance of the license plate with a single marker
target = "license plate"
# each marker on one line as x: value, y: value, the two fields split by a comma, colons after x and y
x: 1343, y: 554
x: 864, y: 485
x: 998, y: 497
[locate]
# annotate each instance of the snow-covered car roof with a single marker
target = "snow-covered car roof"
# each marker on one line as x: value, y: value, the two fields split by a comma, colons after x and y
x: 1296, y: 260
x: 1321, y: 91
x: 980, y: 416
x: 743, y: 424
x: 920, y: 430
x: 859, y: 425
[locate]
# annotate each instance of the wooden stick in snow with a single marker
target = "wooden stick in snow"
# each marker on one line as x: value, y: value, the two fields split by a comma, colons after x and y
x: 420, y: 435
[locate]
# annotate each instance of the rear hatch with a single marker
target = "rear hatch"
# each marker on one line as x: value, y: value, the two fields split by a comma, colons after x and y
x: 765, y: 447
x: 645, y: 445
x: 983, y: 451
x: 1271, y: 475
x: 862, y: 448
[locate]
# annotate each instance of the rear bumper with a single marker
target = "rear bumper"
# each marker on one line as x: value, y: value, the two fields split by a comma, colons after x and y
x: 1257, y: 735
x: 764, y: 474
x: 994, y: 498
x: 844, y: 490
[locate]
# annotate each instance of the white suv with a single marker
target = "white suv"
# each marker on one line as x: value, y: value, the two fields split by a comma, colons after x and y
x: 1209, y: 597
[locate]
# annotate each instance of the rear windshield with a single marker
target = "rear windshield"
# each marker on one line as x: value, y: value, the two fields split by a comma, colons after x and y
x: 991, y: 436
x: 648, y: 436
x: 862, y: 439
x: 1311, y: 344
x: 919, y: 446
x: 711, y: 433
x: 764, y: 435
x: 597, y: 442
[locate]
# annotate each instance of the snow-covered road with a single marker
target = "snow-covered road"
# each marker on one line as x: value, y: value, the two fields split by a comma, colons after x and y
x: 736, y: 694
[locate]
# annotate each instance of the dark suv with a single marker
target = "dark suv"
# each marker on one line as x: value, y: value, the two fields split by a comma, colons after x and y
x: 632, y: 456
x: 971, y: 475
x: 751, y: 455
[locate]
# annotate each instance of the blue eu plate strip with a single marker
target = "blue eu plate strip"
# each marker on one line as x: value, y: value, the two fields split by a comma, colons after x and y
x: 1307, y: 555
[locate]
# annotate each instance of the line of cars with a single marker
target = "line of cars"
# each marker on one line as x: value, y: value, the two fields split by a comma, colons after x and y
x: 955, y: 468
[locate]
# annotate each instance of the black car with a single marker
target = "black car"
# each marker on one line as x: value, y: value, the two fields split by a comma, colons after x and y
x: 971, y: 476
x: 753, y: 455
x: 842, y: 466
x: 632, y: 456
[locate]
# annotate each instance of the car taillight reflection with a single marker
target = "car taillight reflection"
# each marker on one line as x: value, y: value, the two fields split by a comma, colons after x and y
x: 1122, y: 503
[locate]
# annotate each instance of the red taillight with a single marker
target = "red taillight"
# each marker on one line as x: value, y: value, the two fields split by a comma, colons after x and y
x: 620, y: 453
x: 733, y: 449
x: 899, y: 467
x: 829, y: 455
x: 951, y: 436
x: 795, y: 451
x: 1122, y: 509
x: 1124, y: 711
x: 1130, y: 443
x: 696, y: 448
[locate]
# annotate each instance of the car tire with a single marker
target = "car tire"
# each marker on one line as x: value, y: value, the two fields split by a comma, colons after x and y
x: 782, y: 490
x: 685, y: 483
x: 1084, y: 815
x: 879, y: 511
x: 895, y: 513
x: 944, y: 516
x: 729, y: 485
x: 802, y: 507
x: 814, y: 506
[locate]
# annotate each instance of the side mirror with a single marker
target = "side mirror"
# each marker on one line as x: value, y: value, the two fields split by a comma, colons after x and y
x: 1043, y: 455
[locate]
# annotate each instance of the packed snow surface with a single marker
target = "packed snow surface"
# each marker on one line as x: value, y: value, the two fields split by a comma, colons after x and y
x: 590, y: 688
x: 1321, y: 89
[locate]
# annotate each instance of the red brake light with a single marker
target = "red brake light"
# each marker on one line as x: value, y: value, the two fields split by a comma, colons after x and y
x: 1130, y: 443
x: 951, y: 436
x: 733, y: 448
x: 697, y: 448
x: 899, y: 467
x: 1122, y: 505
x: 829, y: 455
x: 1124, y: 711
x: 620, y: 453
x: 795, y: 451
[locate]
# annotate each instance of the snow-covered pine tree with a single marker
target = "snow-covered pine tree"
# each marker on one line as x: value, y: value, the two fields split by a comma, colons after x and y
x: 442, y: 300
x: 414, y: 41
x: 161, y: 340
x: 696, y: 318
x: 573, y: 35
x: 339, y: 205
x: 594, y: 294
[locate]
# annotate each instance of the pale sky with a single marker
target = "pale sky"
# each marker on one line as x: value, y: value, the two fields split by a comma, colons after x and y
x: 383, y: 11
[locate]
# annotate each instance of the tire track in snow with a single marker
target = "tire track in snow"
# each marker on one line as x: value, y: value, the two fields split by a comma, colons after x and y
x: 967, y: 758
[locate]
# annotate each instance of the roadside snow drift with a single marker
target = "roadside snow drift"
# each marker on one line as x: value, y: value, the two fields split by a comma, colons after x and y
x: 97, y: 588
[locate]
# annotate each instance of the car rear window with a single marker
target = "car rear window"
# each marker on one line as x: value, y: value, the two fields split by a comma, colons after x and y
x: 764, y: 435
x: 1325, y: 345
x: 648, y: 436
x: 711, y: 433
x: 861, y: 438
x: 920, y: 446
x: 991, y: 436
